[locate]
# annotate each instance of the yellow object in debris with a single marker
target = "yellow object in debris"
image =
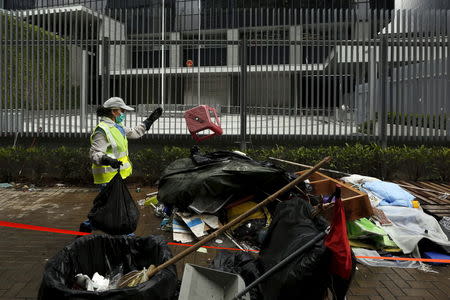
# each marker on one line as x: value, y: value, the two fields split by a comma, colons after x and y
x: 151, y: 200
x: 359, y: 244
x: 416, y: 204
x: 236, y: 211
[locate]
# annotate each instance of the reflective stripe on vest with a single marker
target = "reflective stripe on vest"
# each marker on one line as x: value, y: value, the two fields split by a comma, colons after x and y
x: 108, y: 169
x: 118, y: 149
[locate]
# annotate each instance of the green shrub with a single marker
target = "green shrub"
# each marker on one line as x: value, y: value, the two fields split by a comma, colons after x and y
x: 72, y: 165
x: 390, y: 163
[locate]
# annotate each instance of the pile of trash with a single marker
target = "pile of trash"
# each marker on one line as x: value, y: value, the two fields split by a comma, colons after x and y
x: 199, y: 194
x: 399, y: 227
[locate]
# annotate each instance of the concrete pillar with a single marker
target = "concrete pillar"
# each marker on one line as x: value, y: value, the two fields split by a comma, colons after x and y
x: 232, y: 50
x: 295, y: 51
x: 115, y: 31
x: 175, y: 51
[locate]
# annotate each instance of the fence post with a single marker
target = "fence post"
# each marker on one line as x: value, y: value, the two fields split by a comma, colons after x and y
x: 383, y: 84
x: 243, y: 92
x: 105, y: 69
x: 84, y: 88
x: 447, y: 107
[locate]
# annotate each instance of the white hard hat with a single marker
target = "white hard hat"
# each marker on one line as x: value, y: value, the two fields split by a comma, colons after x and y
x: 116, y: 102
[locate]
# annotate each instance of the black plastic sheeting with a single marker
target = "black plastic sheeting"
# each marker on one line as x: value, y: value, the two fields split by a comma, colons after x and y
x: 307, y: 277
x: 291, y: 228
x: 241, y: 263
x: 104, y: 254
x: 205, y: 183
x: 114, y: 210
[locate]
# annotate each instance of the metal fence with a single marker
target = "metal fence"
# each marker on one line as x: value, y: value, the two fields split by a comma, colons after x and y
x: 324, y: 74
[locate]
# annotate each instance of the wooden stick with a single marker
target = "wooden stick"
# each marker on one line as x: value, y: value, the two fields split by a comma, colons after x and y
x: 348, y: 174
x: 239, y: 219
x: 306, y: 166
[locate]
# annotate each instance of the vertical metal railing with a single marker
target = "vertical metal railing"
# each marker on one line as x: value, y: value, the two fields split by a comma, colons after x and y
x: 272, y: 73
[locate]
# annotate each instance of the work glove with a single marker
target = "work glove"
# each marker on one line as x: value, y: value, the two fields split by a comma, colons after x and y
x: 153, y: 117
x: 108, y: 161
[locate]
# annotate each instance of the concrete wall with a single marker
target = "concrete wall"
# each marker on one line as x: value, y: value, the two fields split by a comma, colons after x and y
x: 215, y: 89
x: 268, y: 90
x: 114, y: 31
x: 416, y: 91
x: 422, y: 4
x: 76, y: 56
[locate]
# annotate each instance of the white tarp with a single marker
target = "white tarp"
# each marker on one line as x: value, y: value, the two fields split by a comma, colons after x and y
x: 410, y: 225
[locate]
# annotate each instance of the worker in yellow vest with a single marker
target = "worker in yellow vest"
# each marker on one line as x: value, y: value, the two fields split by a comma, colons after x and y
x: 109, y: 143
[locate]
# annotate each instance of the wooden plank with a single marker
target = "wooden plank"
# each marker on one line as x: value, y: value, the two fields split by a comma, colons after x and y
x: 323, y: 187
x: 428, y: 195
x: 356, y: 203
x: 319, y: 181
x: 346, y: 185
x: 414, y: 192
x: 438, y: 212
x: 445, y: 185
x: 353, y: 198
x: 431, y: 188
x: 436, y: 187
x: 434, y: 195
x: 435, y: 207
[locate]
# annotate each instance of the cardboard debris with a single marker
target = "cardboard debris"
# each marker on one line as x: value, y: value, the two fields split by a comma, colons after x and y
x: 200, y: 224
x: 195, y: 224
x: 211, y: 220
x: 181, y: 233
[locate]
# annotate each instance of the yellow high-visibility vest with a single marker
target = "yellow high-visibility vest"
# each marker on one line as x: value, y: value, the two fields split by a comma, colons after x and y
x: 118, y: 149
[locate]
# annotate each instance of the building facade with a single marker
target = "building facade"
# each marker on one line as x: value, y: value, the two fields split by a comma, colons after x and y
x: 317, y: 57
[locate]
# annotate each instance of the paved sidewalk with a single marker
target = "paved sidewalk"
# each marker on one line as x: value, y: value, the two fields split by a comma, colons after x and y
x: 23, y: 253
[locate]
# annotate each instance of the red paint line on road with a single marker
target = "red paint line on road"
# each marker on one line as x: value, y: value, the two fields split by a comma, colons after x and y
x: 64, y: 231
x: 446, y: 261
x: 40, y: 228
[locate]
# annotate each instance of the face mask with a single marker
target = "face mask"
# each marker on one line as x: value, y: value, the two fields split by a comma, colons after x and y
x: 120, y: 118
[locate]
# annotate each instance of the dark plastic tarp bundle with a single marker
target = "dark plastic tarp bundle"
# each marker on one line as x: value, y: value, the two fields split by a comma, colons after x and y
x: 103, y: 254
x: 307, y: 277
x: 114, y: 210
x: 291, y: 228
x: 205, y: 183
x: 241, y: 263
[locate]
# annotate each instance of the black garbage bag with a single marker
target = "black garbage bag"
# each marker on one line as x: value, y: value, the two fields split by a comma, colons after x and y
x: 241, y: 263
x: 114, y: 211
x: 249, y: 230
x: 205, y: 183
x: 237, y: 262
x: 307, y: 276
x: 103, y: 254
